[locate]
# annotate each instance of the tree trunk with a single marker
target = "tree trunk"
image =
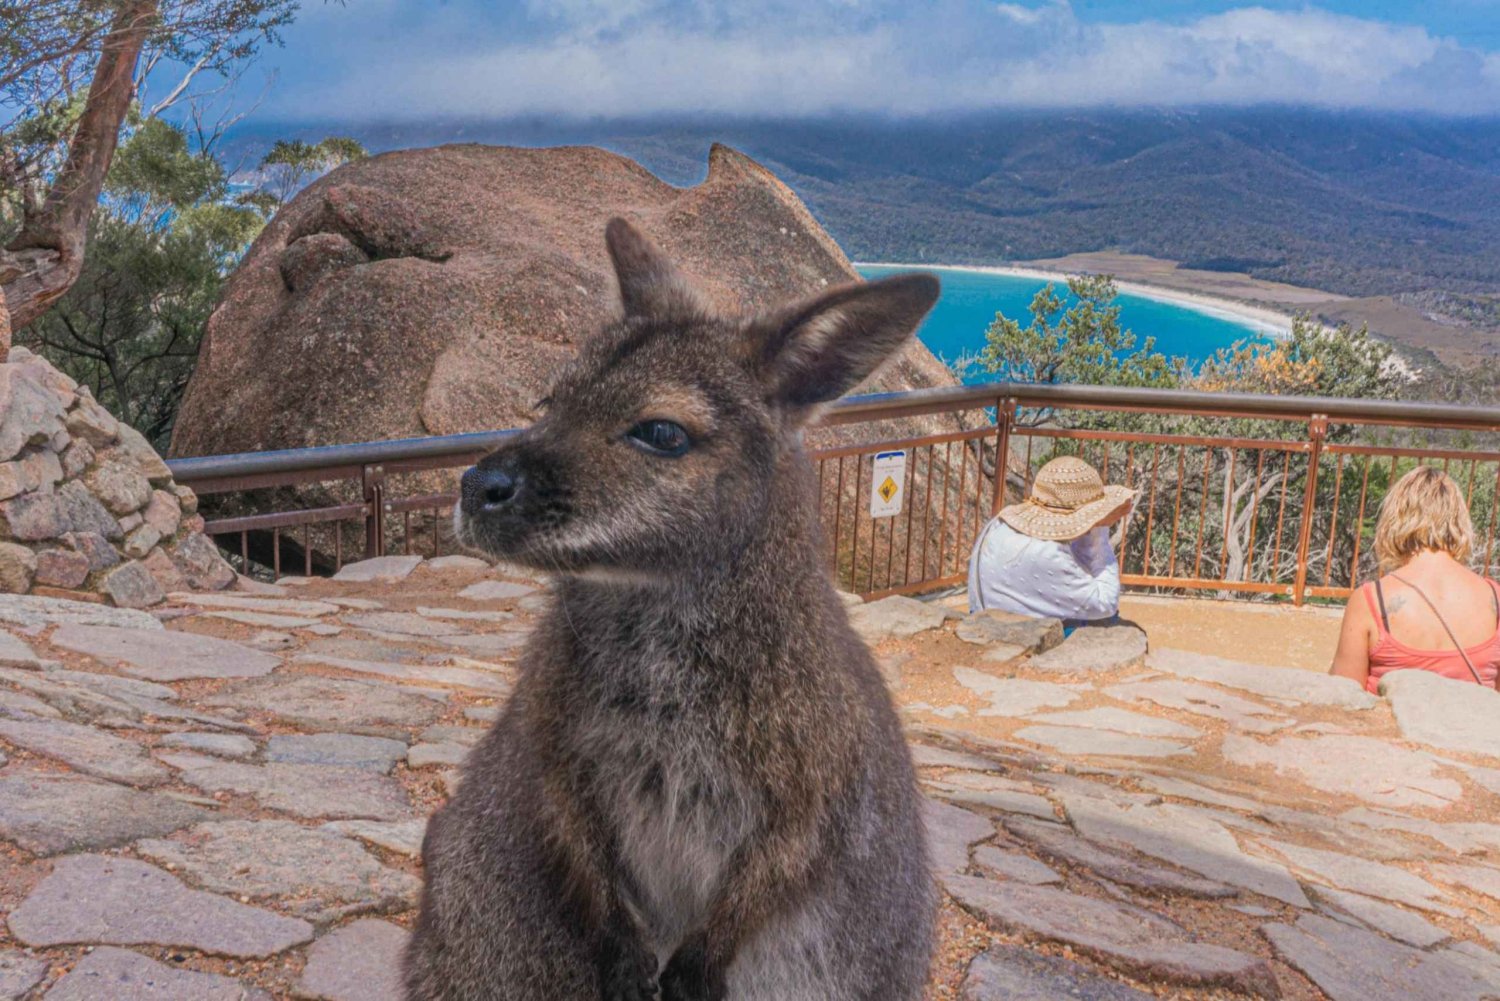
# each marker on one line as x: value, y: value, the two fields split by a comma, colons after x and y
x: 46, y: 257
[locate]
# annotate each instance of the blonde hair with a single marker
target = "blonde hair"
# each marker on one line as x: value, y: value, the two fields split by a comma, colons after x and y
x: 1424, y: 510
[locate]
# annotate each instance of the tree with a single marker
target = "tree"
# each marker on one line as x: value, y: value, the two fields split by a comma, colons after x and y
x: 69, y: 69
x: 291, y: 163
x: 161, y: 244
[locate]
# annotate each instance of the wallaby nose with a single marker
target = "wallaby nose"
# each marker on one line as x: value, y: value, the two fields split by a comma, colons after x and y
x: 489, y: 489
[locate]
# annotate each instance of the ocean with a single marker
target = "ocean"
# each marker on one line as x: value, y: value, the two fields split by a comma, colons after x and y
x: 970, y: 300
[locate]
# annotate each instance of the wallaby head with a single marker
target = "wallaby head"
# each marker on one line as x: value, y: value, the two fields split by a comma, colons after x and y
x: 664, y: 444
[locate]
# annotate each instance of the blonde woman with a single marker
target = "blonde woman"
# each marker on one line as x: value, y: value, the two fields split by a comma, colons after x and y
x: 1429, y: 610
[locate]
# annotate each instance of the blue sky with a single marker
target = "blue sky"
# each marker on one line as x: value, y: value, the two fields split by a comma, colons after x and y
x: 414, y: 59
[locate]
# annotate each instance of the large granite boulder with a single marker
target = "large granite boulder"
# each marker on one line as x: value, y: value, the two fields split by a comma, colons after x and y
x: 87, y: 507
x: 435, y: 291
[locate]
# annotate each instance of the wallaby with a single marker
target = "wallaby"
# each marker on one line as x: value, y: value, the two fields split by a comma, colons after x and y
x: 699, y: 789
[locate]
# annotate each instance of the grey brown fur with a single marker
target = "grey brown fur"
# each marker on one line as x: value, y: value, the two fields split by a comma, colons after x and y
x: 700, y: 788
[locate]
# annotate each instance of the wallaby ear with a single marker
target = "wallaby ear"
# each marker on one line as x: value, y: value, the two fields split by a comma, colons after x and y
x: 649, y: 284
x: 818, y: 350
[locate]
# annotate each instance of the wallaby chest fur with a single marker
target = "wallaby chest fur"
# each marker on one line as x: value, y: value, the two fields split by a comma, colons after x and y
x: 699, y: 789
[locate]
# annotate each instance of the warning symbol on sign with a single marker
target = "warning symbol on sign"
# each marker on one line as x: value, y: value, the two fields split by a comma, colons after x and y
x: 888, y: 483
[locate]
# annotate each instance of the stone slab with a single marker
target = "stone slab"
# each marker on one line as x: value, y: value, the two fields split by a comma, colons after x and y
x: 313, y: 791
x: 109, y: 974
x: 1352, y: 964
x: 1095, y: 649
x: 401, y: 836
x: 1119, y: 721
x: 1283, y: 683
x: 30, y: 610
x: 315, y: 874
x: 337, y: 704
x: 359, y: 962
x: 166, y: 656
x: 1013, y: 696
x: 19, y: 973
x: 17, y: 652
x: 86, y: 749
x: 220, y: 745
x: 303, y: 608
x: 1342, y: 764
x: 378, y: 754
x: 951, y: 832
x: 896, y: 617
x: 457, y: 562
x: 1202, y: 700
x: 1014, y: 866
x: 1130, y: 939
x: 1073, y: 740
x: 991, y: 626
x: 1439, y: 712
x: 443, y: 753
x: 496, y: 590
x: 402, y: 623
x: 1185, y: 837
x: 379, y: 568
x: 1396, y: 922
x: 100, y: 900
x: 456, y: 677
x: 1013, y: 973
x: 47, y: 813
x: 1360, y: 875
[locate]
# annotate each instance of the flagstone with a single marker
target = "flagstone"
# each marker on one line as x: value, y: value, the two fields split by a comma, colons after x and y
x: 1353, y: 964
x: 1342, y: 764
x: 122, y: 975
x: 1014, y: 696
x: 158, y: 655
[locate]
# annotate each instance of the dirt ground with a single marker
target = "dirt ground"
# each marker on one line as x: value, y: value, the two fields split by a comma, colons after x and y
x: 1253, y: 632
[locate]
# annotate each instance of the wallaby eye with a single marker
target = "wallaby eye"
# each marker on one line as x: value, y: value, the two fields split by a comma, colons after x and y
x: 660, y: 437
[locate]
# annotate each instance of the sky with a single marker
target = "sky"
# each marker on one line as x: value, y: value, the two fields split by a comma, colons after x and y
x: 395, y: 60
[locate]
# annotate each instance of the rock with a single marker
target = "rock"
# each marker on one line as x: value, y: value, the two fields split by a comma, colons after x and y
x: 314, y: 791
x: 896, y: 616
x: 485, y: 644
x: 91, y: 751
x: 427, y: 755
x: 76, y: 458
x: 316, y: 255
x: 84, y: 514
x: 30, y: 412
x: 1013, y: 866
x: 994, y: 793
x: 1119, y: 721
x: 377, y: 754
x: 477, y: 615
x: 18, y: 566
x: 95, y: 547
x: 1185, y: 837
x: 32, y: 611
x: 524, y: 252
x: 132, y: 586
x: 495, y: 590
x: 1476, y: 879
x: 379, y: 568
x: 403, y: 836
x: 264, y: 619
x: 137, y: 451
x: 1351, y: 964
x: 1095, y: 650
x: 1130, y: 939
x: 1393, y: 921
x: 1339, y: 764
x: 1012, y: 973
x: 19, y: 973
x: 950, y: 834
x: 1078, y: 741
x: 122, y: 975
x: 1373, y: 879
x: 47, y: 813
x: 1034, y: 635
x: 166, y: 656
x: 34, y: 517
x: 1013, y: 696
x: 359, y: 962
x: 927, y: 756
x: 271, y: 641
x: 139, y: 542
x: 482, y: 714
x: 1204, y: 700
x: 405, y: 623
x: 1286, y: 684
x: 255, y: 603
x: 337, y: 704
x: 99, y: 900
x: 122, y: 488
x: 1453, y: 715
x: 221, y: 745
x: 201, y: 563
x: 59, y: 568
x: 314, y: 874
x: 163, y: 513
x: 460, y: 677
x: 1064, y: 846
x: 93, y: 424
x: 458, y: 562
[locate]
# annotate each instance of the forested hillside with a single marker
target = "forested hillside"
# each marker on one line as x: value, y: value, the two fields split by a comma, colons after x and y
x: 1360, y: 204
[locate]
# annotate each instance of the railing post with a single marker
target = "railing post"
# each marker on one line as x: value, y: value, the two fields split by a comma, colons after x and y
x: 1005, y: 415
x: 373, y: 481
x: 1317, y: 430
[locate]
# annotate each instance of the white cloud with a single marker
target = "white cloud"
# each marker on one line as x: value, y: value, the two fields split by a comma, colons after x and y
x: 792, y: 57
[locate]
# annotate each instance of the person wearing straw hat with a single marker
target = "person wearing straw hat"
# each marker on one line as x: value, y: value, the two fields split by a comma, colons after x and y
x: 1050, y: 554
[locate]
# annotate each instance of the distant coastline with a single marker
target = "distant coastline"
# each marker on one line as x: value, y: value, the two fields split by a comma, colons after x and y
x: 1262, y: 319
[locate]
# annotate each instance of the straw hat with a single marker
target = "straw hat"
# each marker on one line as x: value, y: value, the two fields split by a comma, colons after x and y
x: 1067, y: 499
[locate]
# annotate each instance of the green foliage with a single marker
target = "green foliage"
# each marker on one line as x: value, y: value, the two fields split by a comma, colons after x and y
x: 160, y: 247
x: 1082, y: 343
x: 292, y: 163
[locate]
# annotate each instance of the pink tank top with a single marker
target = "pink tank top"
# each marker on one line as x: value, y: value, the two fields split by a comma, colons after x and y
x: 1390, y: 654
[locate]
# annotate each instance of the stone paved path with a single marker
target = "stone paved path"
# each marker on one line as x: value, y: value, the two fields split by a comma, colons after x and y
x: 232, y: 806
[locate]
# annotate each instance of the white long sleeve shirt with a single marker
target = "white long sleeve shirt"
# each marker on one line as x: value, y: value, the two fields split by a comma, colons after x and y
x: 1065, y: 580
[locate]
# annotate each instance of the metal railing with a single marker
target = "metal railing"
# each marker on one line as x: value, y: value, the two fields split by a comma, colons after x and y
x: 1248, y: 494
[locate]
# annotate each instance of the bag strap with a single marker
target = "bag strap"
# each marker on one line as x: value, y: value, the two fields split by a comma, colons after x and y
x: 1444, y: 623
x: 1380, y: 600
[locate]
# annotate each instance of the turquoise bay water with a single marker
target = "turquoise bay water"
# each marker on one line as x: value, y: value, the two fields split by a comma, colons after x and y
x: 970, y: 300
